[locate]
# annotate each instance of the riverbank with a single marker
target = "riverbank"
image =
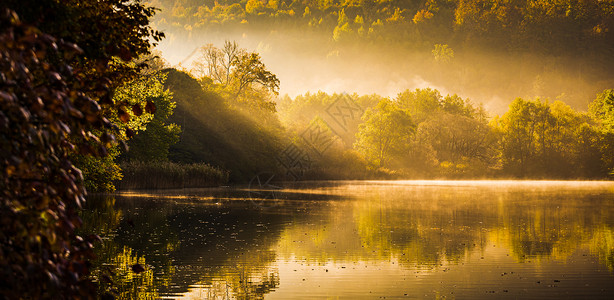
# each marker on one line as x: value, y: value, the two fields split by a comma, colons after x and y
x: 169, y: 175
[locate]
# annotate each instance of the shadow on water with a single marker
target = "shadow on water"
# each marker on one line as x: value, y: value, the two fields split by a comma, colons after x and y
x: 185, y: 241
x: 463, y: 239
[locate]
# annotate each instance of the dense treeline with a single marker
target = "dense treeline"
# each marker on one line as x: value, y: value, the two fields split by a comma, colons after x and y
x: 417, y: 134
x: 566, y: 27
x: 422, y: 134
x: 225, y: 113
x: 492, y: 50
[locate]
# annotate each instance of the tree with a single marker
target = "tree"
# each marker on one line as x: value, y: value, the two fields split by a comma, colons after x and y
x: 100, y: 173
x: 385, y: 133
x: 539, y: 139
x: 111, y: 33
x: 254, y: 6
x: 576, y: 144
x: 343, y: 30
x: 443, y: 53
x: 104, y: 30
x: 420, y: 103
x: 463, y: 107
x: 215, y: 133
x: 522, y: 128
x: 602, y: 111
x: 237, y: 72
x: 147, y: 133
x: 158, y: 135
x: 458, y: 140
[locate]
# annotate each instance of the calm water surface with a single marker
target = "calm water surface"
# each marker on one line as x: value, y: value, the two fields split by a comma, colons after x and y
x: 371, y: 240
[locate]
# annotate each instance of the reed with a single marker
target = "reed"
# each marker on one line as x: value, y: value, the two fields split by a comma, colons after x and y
x: 169, y: 175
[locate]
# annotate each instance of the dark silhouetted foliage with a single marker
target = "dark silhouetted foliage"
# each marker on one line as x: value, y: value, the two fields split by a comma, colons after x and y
x: 44, y: 117
x: 58, y: 65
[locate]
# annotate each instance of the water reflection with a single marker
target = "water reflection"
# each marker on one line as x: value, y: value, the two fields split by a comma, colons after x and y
x: 364, y: 239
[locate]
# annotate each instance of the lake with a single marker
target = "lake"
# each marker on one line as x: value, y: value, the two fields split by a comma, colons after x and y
x: 360, y: 239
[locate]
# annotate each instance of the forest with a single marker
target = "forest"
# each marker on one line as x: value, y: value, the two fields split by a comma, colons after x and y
x: 549, y: 128
x: 508, y: 89
x: 490, y: 51
x: 418, y: 134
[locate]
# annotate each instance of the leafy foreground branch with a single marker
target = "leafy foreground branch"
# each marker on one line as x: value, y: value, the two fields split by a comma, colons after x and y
x: 43, y: 117
x: 57, y: 70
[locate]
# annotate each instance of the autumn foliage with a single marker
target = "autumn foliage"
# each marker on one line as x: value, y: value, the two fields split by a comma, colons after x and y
x: 56, y: 78
x: 44, y: 116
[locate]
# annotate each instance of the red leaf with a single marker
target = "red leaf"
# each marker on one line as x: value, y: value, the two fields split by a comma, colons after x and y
x: 137, y: 110
x: 150, y: 107
x: 123, y: 115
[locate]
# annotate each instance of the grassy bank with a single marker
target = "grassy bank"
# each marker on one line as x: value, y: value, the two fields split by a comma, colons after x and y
x: 168, y: 175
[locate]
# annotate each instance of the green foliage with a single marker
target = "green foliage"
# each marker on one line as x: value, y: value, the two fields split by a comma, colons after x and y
x: 213, y: 132
x: 99, y: 173
x: 385, y: 133
x: 111, y: 34
x: 156, y: 137
x: 297, y: 114
x: 239, y: 74
x: 453, y: 138
x: 424, y: 103
x: 602, y: 109
x: 523, y: 130
x: 154, y: 143
x: 420, y: 103
x: 135, y: 94
x: 342, y: 32
x: 462, y: 145
x: 254, y: 7
x: 300, y: 111
x: 497, y: 44
x: 547, y: 140
x: 443, y: 53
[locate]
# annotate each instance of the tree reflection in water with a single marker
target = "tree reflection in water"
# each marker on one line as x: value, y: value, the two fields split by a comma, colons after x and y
x: 222, y: 248
x: 230, y: 249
